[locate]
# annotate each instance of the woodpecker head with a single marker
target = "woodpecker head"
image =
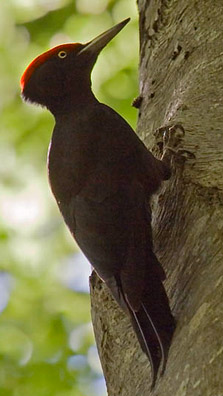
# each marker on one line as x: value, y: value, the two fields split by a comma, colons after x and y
x: 63, y: 72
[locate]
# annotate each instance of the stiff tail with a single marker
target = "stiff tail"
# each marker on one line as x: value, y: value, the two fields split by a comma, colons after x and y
x: 154, y: 325
x: 148, y: 342
x: 153, y: 322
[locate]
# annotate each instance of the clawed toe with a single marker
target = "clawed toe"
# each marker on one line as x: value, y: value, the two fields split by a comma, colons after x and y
x: 185, y: 154
x: 169, y: 139
x: 173, y: 136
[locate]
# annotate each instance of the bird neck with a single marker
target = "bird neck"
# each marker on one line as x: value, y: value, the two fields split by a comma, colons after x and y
x: 79, y: 97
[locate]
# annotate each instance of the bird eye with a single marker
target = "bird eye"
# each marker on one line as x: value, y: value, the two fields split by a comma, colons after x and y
x: 62, y: 54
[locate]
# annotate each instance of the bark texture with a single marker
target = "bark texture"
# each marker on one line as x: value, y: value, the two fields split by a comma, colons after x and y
x: 181, y: 82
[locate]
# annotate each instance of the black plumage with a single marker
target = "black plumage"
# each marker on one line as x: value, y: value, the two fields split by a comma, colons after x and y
x: 102, y: 177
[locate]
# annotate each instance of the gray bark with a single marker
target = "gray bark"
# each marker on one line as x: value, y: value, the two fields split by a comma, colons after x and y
x: 181, y: 82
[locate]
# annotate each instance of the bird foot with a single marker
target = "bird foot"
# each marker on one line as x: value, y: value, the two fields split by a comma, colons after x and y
x: 169, y: 139
x: 184, y: 155
x: 172, y: 137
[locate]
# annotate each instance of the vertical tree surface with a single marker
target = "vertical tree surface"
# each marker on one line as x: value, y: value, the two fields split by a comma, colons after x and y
x: 181, y: 82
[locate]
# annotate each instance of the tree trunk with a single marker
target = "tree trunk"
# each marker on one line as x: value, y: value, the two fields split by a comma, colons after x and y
x: 181, y: 82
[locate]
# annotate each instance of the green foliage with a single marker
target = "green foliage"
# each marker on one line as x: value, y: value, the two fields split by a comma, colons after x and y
x: 45, y: 333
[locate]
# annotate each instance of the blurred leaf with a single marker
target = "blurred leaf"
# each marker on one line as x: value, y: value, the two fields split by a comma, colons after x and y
x: 54, y: 21
x: 45, y: 333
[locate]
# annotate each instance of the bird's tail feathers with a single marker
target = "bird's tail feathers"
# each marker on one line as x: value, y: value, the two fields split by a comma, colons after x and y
x: 148, y: 341
x: 153, y: 322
